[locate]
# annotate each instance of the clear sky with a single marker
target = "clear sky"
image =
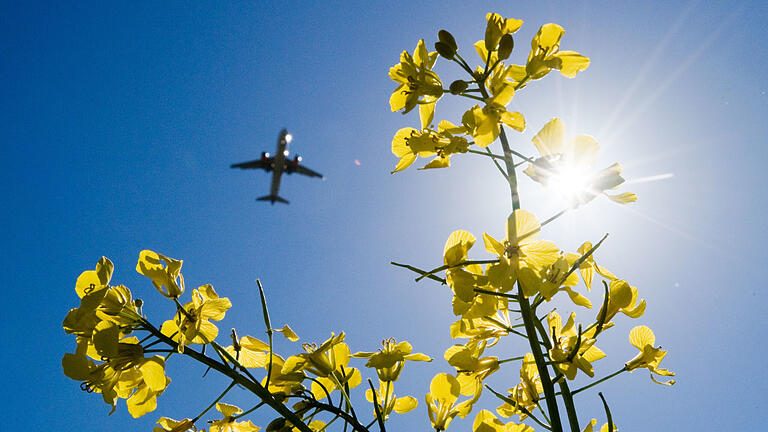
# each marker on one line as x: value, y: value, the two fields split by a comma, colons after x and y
x: 119, y: 122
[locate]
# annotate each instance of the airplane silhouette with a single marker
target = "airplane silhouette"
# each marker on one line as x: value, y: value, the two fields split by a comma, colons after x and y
x: 278, y: 164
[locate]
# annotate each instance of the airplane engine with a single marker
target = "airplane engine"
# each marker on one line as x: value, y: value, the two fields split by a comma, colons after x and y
x: 264, y: 156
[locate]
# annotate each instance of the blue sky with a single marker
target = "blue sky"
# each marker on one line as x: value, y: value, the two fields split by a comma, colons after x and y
x: 119, y: 123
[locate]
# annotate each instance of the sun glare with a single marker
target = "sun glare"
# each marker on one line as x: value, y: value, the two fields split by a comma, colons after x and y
x: 569, y: 182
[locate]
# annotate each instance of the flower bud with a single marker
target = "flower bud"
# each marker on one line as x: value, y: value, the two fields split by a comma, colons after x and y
x: 506, y: 44
x: 445, y: 50
x: 447, y: 38
x: 277, y: 424
x: 458, y: 87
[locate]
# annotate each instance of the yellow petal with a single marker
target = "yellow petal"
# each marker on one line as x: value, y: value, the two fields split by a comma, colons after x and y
x: 549, y: 36
x: 142, y: 402
x: 550, y: 138
x: 457, y: 246
x: 526, y: 227
x: 405, y: 404
x: 569, y: 63
x: 426, y: 114
x: 623, y: 198
x: 445, y: 387
x: 227, y: 410
x: 404, y: 163
x: 515, y: 120
x: 153, y: 372
x: 641, y: 336
x: 492, y: 245
x: 288, y: 333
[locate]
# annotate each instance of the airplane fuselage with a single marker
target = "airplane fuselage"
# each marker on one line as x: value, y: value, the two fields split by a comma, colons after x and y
x: 278, y: 164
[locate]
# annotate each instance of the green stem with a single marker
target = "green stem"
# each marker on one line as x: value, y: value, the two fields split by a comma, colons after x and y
x: 522, y: 409
x: 245, y: 413
x: 511, y: 359
x: 579, y: 390
x: 541, y: 366
x: 565, y: 391
x: 348, y: 419
x: 232, y: 384
x: 487, y: 153
x: 268, y: 325
x: 419, y: 271
x: 496, y: 293
x: 525, y: 307
x: 461, y: 264
x: 379, y: 416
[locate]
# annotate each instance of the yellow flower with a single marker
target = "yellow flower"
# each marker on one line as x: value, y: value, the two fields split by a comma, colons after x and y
x: 489, y: 327
x: 250, y: 352
x: 569, y: 357
x: 283, y: 383
x: 463, y: 280
x: 471, y: 369
x: 409, y: 143
x: 589, y: 266
x: 192, y: 325
x: 567, y: 168
x: 649, y: 357
x: 483, y: 124
x: 485, y: 421
x: 91, y: 281
x: 113, y: 304
x: 546, y: 55
x: 520, y: 254
x: 526, y: 393
x: 443, y: 393
x: 419, y: 85
x: 389, y: 402
x: 228, y: 423
x: 126, y: 373
x: 552, y: 279
x: 328, y: 362
x: 622, y: 298
x: 389, y: 360
x: 166, y: 278
x: 496, y: 27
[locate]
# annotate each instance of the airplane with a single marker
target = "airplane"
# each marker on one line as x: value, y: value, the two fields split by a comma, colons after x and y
x: 278, y: 164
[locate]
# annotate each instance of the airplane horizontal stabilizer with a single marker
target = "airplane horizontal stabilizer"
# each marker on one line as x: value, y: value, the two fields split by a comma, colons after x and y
x: 272, y: 199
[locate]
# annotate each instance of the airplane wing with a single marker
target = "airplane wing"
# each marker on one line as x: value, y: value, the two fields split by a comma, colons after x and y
x: 266, y: 165
x: 302, y: 170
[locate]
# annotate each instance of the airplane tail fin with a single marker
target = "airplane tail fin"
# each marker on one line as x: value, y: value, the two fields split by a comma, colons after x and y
x: 272, y: 199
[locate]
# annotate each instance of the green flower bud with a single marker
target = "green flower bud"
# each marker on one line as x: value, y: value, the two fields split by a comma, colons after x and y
x: 445, y: 50
x: 447, y: 39
x: 458, y: 87
x: 506, y: 44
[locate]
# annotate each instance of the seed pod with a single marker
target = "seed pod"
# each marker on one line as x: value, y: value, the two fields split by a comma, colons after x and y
x: 447, y: 38
x: 506, y: 44
x: 445, y: 50
x: 458, y: 87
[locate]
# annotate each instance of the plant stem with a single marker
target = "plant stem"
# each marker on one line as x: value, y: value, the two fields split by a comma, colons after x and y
x: 565, y: 391
x: 525, y: 307
x: 232, y: 384
x: 579, y: 390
